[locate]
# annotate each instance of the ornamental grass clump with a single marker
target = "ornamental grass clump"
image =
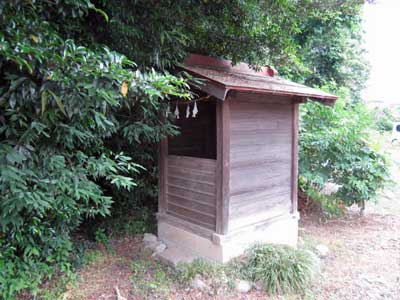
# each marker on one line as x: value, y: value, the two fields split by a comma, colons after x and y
x: 280, y: 269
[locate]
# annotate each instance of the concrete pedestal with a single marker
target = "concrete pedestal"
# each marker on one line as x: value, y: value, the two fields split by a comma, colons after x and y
x: 221, y: 248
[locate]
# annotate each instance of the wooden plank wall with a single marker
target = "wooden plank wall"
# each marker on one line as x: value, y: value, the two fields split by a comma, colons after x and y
x: 260, y: 158
x: 191, y: 190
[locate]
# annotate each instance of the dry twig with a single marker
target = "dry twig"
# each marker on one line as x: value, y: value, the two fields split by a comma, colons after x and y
x: 119, y: 297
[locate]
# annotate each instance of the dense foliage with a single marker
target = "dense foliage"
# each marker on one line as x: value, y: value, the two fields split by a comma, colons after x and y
x: 80, y: 106
x: 339, y: 164
x: 330, y: 49
x: 61, y: 106
x: 336, y: 146
x: 254, y: 31
x: 384, y: 119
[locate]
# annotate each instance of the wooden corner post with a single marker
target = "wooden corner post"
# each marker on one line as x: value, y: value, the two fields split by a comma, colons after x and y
x: 295, y: 156
x: 223, y: 165
x: 162, y: 176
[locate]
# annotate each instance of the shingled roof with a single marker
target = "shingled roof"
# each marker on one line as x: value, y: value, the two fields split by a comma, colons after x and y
x: 221, y: 77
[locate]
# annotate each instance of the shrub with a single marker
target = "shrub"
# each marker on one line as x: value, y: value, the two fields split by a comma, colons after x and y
x: 384, y: 119
x: 280, y: 269
x: 61, y: 102
x: 335, y: 146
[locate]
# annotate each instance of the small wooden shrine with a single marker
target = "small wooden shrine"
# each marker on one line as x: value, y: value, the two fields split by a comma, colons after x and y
x: 230, y: 178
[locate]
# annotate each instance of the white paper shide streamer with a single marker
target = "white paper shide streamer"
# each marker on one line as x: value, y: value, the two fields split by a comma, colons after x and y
x: 195, y: 110
x: 187, y: 111
x: 176, y: 112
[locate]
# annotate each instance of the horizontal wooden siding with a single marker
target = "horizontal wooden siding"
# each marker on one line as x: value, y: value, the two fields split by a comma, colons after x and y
x: 260, y: 160
x: 191, y: 191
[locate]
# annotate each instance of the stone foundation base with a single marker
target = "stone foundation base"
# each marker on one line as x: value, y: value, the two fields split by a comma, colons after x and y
x: 222, y: 248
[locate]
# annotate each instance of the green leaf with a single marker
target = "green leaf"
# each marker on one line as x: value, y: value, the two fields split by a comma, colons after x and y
x: 102, y: 12
x: 44, y: 101
x: 59, y: 103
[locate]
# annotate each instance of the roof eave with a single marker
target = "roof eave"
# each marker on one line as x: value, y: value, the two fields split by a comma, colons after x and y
x: 220, y: 90
x: 325, y: 99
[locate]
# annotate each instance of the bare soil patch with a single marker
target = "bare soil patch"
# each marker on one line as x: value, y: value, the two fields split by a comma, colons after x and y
x: 364, y: 258
x: 363, y: 264
x: 364, y: 261
x: 109, y: 268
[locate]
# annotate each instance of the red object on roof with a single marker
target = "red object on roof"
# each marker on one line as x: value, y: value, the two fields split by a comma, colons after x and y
x: 221, y: 77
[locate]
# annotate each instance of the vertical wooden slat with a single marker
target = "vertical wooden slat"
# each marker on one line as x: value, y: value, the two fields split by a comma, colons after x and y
x: 162, y: 179
x: 223, y: 166
x: 226, y: 168
x: 218, y: 174
x: 295, y: 140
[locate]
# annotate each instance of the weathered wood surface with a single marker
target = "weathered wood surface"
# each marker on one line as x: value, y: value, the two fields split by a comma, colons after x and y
x: 295, y: 171
x: 259, y: 98
x: 201, y: 164
x: 185, y: 225
x: 162, y: 169
x: 261, y: 152
x: 191, y: 190
x: 223, y: 165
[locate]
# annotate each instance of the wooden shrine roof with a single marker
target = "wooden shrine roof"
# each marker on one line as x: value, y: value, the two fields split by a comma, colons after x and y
x: 221, y: 77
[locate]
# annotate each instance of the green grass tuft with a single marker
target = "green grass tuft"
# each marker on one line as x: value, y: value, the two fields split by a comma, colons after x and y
x: 92, y: 256
x: 151, y: 280
x: 187, y: 271
x: 280, y: 269
x: 219, y: 278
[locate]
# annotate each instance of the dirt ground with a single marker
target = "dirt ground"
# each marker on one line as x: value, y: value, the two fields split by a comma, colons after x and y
x: 363, y: 262
x: 364, y: 258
